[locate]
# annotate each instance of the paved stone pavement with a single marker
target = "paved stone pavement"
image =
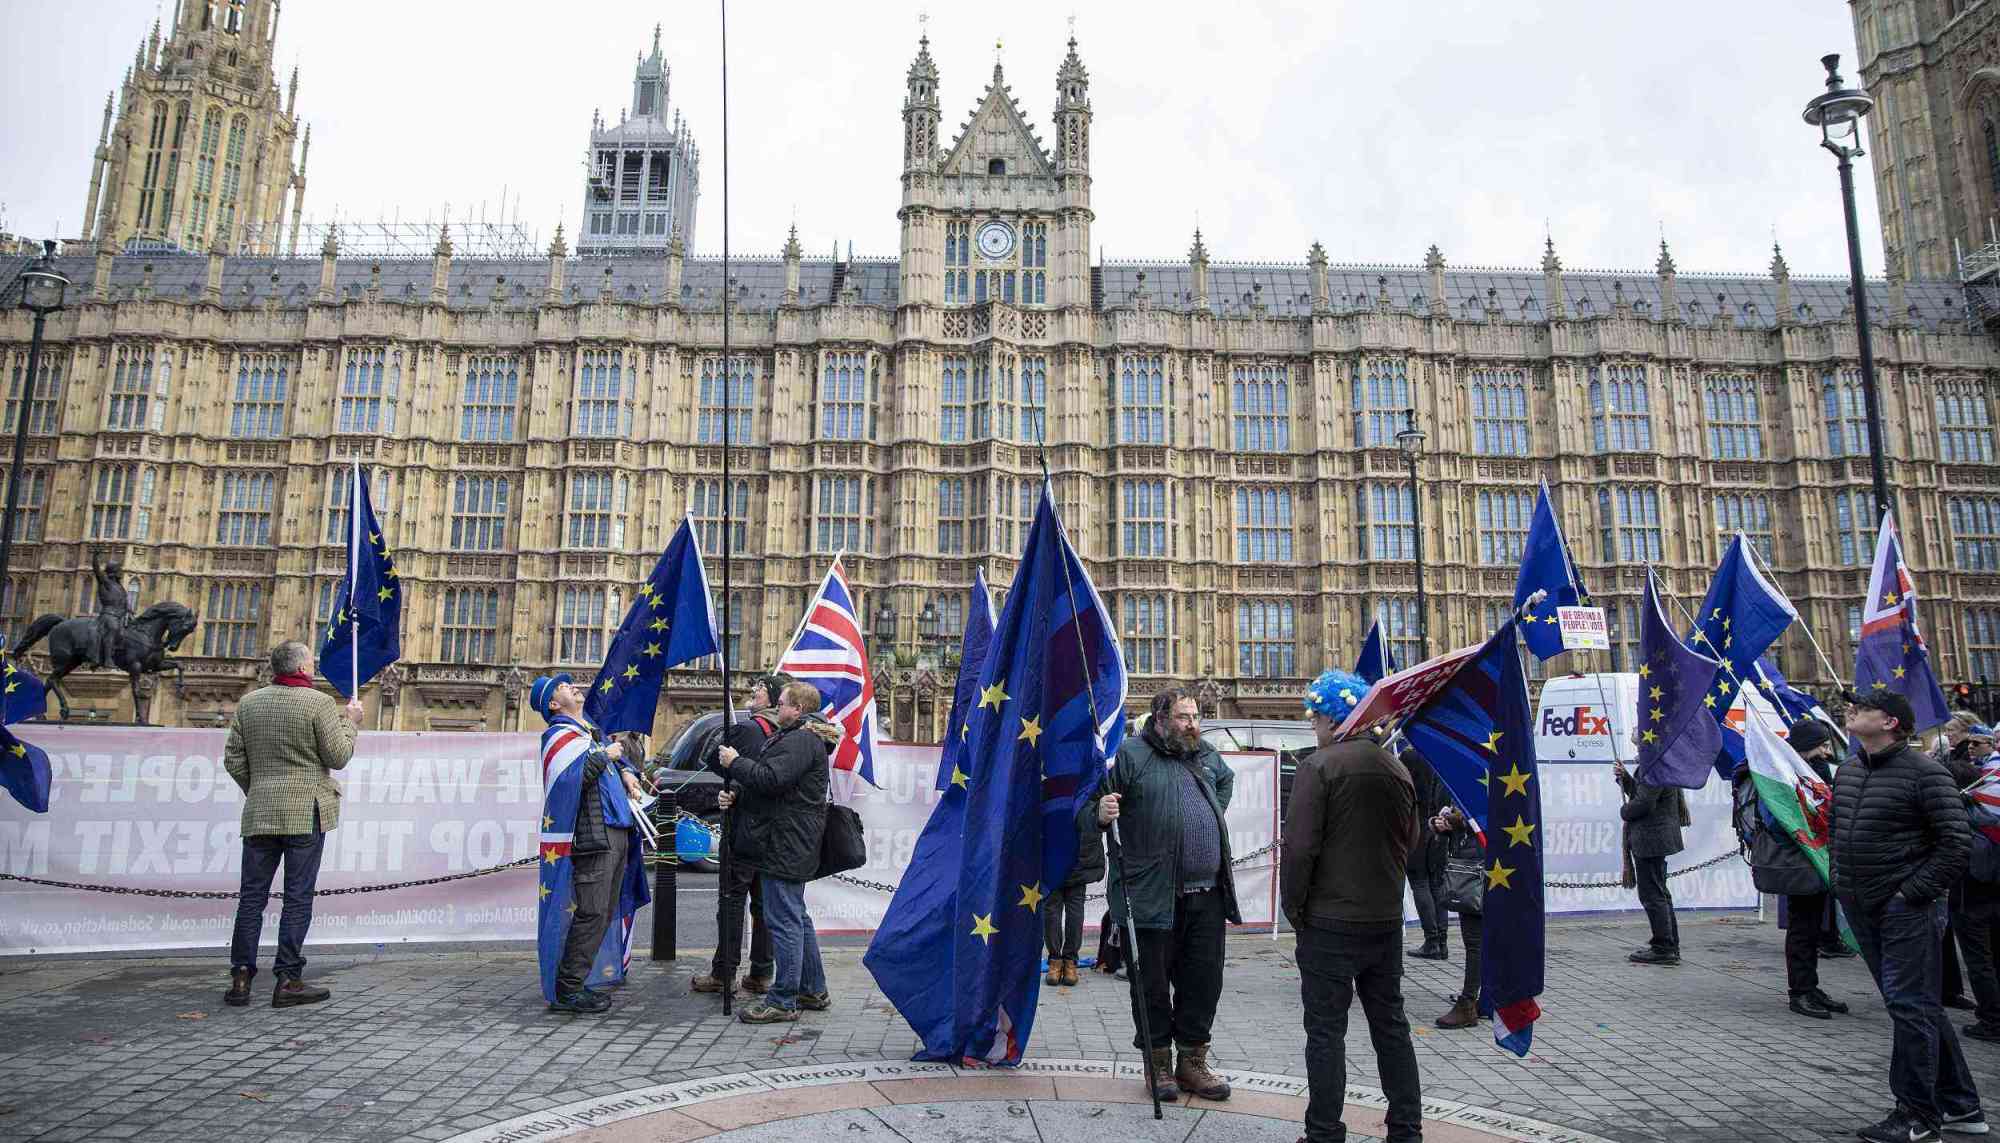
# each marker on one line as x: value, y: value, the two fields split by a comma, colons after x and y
x: 430, y: 1046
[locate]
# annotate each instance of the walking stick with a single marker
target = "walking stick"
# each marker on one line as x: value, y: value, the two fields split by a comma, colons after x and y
x: 1132, y: 967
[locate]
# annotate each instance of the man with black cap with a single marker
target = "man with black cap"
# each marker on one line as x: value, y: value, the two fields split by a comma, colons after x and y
x: 741, y: 882
x: 1900, y: 838
x: 1779, y: 865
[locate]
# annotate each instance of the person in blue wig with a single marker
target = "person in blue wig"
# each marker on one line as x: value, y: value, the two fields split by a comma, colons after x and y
x: 1353, y: 821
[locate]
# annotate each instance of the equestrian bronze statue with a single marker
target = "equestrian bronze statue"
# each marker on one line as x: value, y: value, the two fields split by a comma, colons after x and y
x: 111, y: 640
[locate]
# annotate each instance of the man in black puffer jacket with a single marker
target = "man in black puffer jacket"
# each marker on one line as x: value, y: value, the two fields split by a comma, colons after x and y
x: 1900, y: 839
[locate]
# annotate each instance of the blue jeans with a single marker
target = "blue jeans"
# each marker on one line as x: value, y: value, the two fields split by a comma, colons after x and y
x: 1904, y: 947
x: 794, y: 945
x: 300, y: 852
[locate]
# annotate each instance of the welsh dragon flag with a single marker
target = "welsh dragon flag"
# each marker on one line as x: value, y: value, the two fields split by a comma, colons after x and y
x: 1792, y: 794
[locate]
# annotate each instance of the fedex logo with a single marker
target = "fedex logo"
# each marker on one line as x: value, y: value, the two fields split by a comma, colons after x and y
x: 1581, y: 721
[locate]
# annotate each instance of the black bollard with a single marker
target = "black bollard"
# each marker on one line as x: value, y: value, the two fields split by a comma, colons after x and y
x: 666, y: 867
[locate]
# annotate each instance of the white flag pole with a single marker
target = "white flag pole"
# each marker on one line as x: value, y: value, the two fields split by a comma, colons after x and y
x: 353, y: 575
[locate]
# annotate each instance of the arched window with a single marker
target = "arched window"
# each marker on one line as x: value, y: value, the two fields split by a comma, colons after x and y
x: 1993, y: 158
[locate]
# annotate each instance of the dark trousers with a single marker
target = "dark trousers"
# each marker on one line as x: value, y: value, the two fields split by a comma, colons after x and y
x: 1333, y: 968
x: 1805, y: 929
x: 1973, y: 922
x: 1062, y: 921
x: 1651, y: 873
x: 1472, y: 934
x: 1181, y: 969
x: 594, y: 881
x: 300, y: 852
x: 739, y: 886
x: 1427, y: 888
x: 1904, y: 947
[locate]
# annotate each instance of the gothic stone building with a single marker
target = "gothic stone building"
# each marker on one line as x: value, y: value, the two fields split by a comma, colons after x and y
x: 1222, y: 439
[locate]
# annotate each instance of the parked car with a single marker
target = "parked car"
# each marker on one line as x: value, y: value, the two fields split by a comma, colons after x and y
x: 680, y: 768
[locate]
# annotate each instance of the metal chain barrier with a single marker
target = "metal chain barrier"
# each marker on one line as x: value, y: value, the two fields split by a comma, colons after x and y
x: 223, y: 895
x: 881, y: 887
x: 1619, y: 883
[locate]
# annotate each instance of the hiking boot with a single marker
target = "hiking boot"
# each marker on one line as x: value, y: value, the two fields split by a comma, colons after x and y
x: 582, y: 1002
x: 1433, y: 948
x: 1070, y: 978
x: 754, y: 985
x: 815, y: 1001
x: 1899, y: 1127
x: 1971, y: 1123
x: 707, y: 982
x: 1651, y: 955
x: 1055, y: 976
x: 1164, y: 1088
x: 1837, y: 1007
x: 1193, y: 1076
x: 1806, y: 1004
x: 1962, y: 1002
x: 764, y: 1012
x: 1982, y: 1031
x: 1834, y: 950
x: 1464, y: 1013
x: 238, y: 995
x: 292, y: 992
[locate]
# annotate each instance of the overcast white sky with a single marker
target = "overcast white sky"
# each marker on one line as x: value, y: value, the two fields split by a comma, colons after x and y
x: 1376, y: 128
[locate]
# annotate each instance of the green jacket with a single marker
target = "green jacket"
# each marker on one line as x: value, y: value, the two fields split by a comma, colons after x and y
x: 284, y: 745
x: 1149, y: 822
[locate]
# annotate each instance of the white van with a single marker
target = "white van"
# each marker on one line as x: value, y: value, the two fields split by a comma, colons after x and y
x: 1579, y: 717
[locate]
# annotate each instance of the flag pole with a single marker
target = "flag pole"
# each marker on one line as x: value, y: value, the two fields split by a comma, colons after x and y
x: 353, y: 572
x: 728, y: 516
x: 1576, y: 585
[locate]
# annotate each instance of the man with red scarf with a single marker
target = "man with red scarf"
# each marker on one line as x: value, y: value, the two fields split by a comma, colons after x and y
x: 285, y: 742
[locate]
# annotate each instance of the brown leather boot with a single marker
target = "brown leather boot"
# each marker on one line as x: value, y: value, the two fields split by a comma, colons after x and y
x: 1069, y: 971
x: 1055, y: 976
x: 1164, y: 1088
x: 238, y: 995
x: 1464, y: 1014
x: 292, y: 992
x: 706, y: 982
x: 755, y: 985
x: 1195, y: 1078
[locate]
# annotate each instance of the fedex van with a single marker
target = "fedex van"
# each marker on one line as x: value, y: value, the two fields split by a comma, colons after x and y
x: 1580, y: 716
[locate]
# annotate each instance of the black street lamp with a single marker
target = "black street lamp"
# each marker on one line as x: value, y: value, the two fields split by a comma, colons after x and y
x: 1837, y: 113
x: 42, y: 290
x: 1411, y: 441
x: 885, y: 626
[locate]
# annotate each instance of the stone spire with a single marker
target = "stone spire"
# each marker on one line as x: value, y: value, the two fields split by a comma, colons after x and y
x: 441, y: 266
x: 1552, y: 281
x: 920, y: 112
x: 1198, y: 270
x: 329, y: 251
x: 1782, y: 275
x: 1322, y: 293
x: 1670, y: 302
x: 793, y: 252
x: 1072, y: 115
x: 558, y: 254
x: 1434, y: 263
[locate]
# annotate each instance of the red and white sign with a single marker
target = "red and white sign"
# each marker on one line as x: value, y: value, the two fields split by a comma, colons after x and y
x: 1397, y: 696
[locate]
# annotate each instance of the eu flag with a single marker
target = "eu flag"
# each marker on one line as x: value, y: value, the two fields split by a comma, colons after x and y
x: 971, y: 656
x: 1679, y: 736
x: 1376, y: 663
x: 1546, y: 566
x: 25, y: 695
x: 24, y: 771
x: 1461, y: 730
x: 1742, y: 615
x: 1510, y: 970
x: 365, y: 634
x: 1794, y: 703
x: 1891, y: 655
x: 671, y: 620
x: 958, y: 952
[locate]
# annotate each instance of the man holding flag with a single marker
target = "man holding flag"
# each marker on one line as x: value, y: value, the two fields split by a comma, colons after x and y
x: 1783, y: 809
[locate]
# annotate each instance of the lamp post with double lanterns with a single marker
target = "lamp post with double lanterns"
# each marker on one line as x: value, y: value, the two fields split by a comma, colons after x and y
x: 1837, y: 112
x: 1411, y: 440
x: 42, y: 290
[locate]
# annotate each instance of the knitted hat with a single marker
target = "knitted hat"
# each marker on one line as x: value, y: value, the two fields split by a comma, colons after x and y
x: 1335, y: 694
x: 1809, y: 734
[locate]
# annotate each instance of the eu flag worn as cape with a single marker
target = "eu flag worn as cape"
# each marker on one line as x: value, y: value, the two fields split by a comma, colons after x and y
x: 1891, y: 655
x: 26, y: 696
x: 24, y: 771
x: 959, y: 951
x: 1546, y: 566
x: 1679, y: 736
x: 566, y: 745
x: 971, y: 656
x: 671, y: 621
x: 1742, y: 615
x: 1376, y: 663
x: 365, y: 634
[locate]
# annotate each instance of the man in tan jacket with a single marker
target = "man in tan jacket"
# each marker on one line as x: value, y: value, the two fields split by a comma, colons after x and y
x: 284, y: 744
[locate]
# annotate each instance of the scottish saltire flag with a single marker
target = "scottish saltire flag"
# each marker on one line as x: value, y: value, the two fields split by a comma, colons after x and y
x: 828, y: 653
x: 365, y: 633
x: 1461, y: 730
x: 1891, y: 655
x: 1742, y: 615
x: 1510, y: 971
x: 1376, y: 663
x: 1546, y: 566
x: 25, y: 696
x: 671, y: 621
x: 565, y: 745
x: 959, y: 951
x: 24, y: 771
x: 1679, y: 736
x: 972, y: 646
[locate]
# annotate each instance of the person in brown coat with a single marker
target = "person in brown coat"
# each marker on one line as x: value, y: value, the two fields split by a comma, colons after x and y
x: 285, y: 742
x: 1348, y: 835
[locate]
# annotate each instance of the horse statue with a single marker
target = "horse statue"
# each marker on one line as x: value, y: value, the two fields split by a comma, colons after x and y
x: 139, y: 648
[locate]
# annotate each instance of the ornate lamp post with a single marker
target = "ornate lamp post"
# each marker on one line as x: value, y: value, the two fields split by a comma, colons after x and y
x: 42, y: 290
x: 927, y: 634
x: 885, y: 627
x: 1837, y: 113
x: 1411, y: 440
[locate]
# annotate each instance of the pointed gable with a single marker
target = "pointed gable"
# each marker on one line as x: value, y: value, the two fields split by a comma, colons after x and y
x: 997, y: 130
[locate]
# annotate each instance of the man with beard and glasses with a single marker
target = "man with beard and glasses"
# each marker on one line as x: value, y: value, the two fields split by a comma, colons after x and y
x: 1168, y: 790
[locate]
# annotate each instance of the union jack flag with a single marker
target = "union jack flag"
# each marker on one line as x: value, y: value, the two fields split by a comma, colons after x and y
x: 1891, y: 654
x: 828, y: 653
x: 1985, y: 810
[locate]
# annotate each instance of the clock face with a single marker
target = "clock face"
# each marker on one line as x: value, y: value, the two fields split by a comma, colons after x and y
x: 996, y: 240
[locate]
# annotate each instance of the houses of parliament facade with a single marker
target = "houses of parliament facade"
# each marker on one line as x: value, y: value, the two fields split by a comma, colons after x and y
x: 1221, y: 436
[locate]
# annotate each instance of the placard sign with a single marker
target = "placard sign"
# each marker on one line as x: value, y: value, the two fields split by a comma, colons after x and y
x: 1584, y: 628
x: 1396, y: 696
